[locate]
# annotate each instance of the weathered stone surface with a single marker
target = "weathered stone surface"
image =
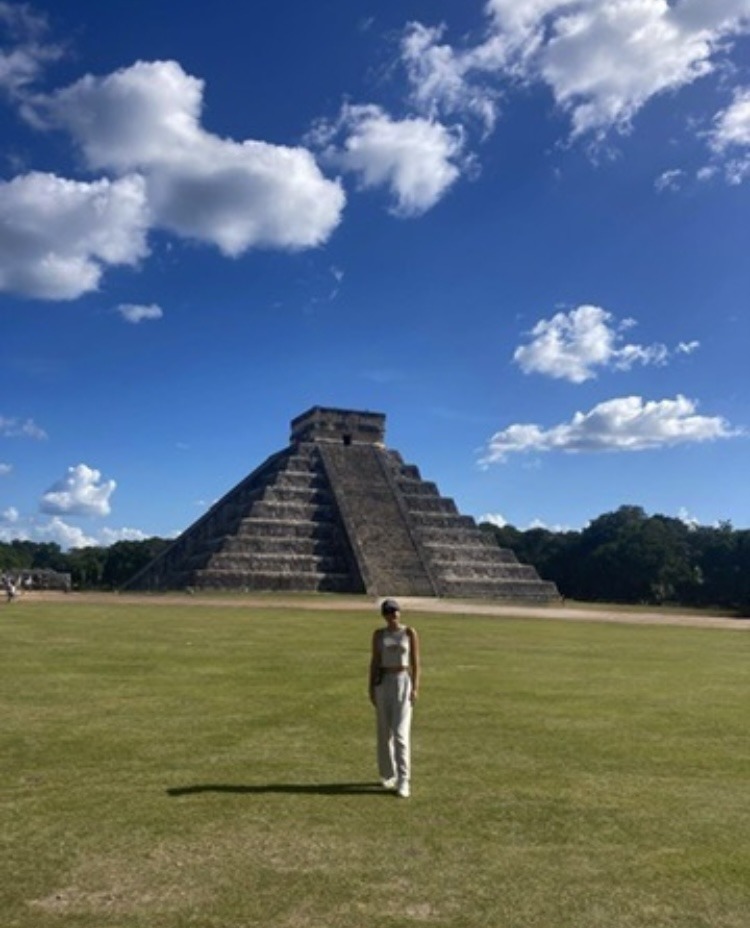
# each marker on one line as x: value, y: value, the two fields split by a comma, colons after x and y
x: 337, y: 511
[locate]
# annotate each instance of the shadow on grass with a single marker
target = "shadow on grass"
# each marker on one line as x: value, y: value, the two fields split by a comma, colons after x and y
x: 321, y: 789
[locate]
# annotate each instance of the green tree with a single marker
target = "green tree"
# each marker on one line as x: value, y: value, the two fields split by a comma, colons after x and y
x: 14, y: 556
x: 86, y: 567
x: 622, y: 556
x: 125, y: 558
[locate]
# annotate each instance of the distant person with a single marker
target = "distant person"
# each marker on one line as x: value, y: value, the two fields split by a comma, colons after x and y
x: 394, y: 685
x: 10, y: 589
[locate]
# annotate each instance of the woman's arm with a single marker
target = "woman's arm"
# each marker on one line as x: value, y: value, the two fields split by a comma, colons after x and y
x: 374, y: 665
x: 415, y: 663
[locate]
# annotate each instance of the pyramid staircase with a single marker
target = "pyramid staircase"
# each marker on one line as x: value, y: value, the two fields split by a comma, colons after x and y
x: 338, y: 512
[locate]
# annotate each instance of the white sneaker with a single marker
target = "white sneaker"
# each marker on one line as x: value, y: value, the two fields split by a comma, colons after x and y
x: 403, y: 791
x: 388, y: 784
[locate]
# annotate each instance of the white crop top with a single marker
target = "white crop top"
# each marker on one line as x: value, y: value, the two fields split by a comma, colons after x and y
x: 395, y: 648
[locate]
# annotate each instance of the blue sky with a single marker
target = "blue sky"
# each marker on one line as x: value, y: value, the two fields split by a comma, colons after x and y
x: 518, y: 228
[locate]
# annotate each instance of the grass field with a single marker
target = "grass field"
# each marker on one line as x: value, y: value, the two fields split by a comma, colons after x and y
x: 166, y: 766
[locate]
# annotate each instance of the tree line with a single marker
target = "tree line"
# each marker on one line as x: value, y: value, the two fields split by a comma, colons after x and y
x: 627, y: 556
x: 624, y: 556
x: 91, y: 568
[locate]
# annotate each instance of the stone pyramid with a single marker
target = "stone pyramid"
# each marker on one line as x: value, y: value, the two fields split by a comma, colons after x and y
x: 337, y: 511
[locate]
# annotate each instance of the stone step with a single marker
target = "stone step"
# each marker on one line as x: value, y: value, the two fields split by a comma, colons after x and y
x: 300, y: 480
x: 268, y: 527
x: 468, y: 553
x: 281, y: 544
x: 297, y: 495
x: 263, y: 562
x: 274, y: 582
x: 472, y: 571
x: 537, y: 591
x: 417, y: 487
x: 288, y: 510
x: 452, y: 536
x: 442, y: 520
x: 427, y: 504
x: 405, y: 471
x: 461, y: 538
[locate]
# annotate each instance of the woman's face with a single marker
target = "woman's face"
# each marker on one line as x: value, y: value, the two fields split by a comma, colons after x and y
x: 392, y: 617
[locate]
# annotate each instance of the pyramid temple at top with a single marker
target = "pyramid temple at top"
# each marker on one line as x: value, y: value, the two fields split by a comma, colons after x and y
x: 337, y: 511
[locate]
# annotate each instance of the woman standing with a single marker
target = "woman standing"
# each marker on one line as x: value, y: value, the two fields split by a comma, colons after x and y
x: 394, y: 685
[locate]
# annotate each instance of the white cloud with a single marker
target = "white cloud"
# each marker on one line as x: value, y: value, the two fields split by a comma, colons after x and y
x: 669, y: 180
x: 572, y: 346
x: 501, y: 522
x: 109, y: 536
x: 5, y: 469
x: 540, y: 523
x: 730, y: 138
x: 493, y: 518
x: 448, y: 81
x: 416, y: 159
x: 135, y: 312
x: 706, y: 173
x: 57, y: 236
x: 624, y: 424
x: 10, y: 427
x: 142, y: 125
x: 235, y: 195
x: 603, y: 60
x: 143, y: 115
x: 684, y: 516
x: 732, y: 125
x: 23, y: 49
x: 8, y: 534
x: 250, y: 195
x: 81, y: 492
x: 63, y: 534
x: 737, y: 170
x: 14, y: 527
x: 687, y: 347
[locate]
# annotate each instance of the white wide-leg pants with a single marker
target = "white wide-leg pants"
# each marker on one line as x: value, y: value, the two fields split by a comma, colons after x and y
x: 393, y: 710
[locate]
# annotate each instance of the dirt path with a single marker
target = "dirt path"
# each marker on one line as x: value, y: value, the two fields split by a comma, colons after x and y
x: 576, y: 613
